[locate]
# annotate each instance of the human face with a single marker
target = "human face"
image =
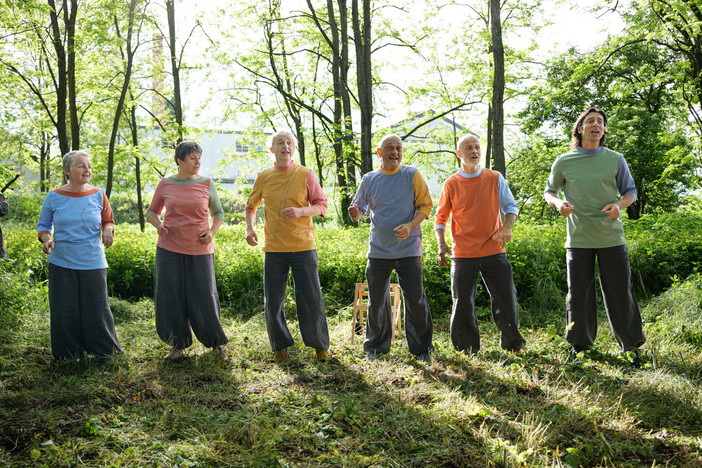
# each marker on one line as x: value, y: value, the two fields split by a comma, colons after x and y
x: 592, y: 129
x: 190, y: 166
x: 284, y: 149
x: 80, y: 171
x: 469, y: 153
x: 391, y: 153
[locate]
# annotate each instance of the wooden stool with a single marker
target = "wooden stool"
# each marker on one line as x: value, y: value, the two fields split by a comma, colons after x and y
x: 359, y: 307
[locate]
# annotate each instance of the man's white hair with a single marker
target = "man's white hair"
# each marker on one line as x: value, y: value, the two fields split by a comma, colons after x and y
x: 464, y: 138
x: 388, y: 136
x: 273, y: 138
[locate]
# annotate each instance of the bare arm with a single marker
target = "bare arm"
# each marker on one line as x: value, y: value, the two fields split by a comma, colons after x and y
x: 562, y: 206
x: 292, y: 212
x: 612, y: 210
x: 251, y: 237
x: 505, y: 234
x: 403, y: 230
x: 443, y: 246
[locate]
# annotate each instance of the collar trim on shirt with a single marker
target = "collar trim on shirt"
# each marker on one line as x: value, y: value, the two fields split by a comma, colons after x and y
x: 65, y: 193
x: 589, y: 151
x: 385, y: 171
x: 463, y: 173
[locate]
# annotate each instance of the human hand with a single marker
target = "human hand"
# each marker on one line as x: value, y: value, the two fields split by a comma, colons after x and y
x: 565, y: 208
x: 443, y: 250
x: 108, y: 236
x: 355, y: 212
x: 402, y: 231
x: 612, y: 210
x: 205, y: 237
x: 251, y: 238
x: 291, y: 212
x: 503, y: 236
x: 48, y: 245
x: 162, y: 229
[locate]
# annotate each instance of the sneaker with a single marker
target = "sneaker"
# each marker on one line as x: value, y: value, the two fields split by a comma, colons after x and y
x: 634, y: 357
x: 280, y: 356
x: 424, y: 357
x: 322, y: 354
x: 372, y: 356
x: 518, y: 352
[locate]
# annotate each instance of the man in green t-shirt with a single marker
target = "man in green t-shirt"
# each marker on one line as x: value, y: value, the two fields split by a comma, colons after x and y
x: 597, y: 185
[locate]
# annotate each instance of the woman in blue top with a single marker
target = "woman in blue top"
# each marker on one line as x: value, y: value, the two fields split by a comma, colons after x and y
x: 81, y: 319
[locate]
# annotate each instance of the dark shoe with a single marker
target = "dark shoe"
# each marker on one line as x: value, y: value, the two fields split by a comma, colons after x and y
x: 373, y: 356
x: 634, y: 357
x: 424, y: 357
x: 322, y: 354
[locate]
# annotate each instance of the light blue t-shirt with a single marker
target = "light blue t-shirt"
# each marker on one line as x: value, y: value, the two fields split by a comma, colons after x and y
x: 76, y: 222
x: 390, y: 201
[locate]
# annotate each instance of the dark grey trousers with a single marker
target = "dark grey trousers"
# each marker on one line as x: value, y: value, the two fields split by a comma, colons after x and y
x: 311, y: 315
x: 418, y: 325
x: 497, y: 276
x: 81, y: 319
x: 620, y: 303
x: 185, y: 299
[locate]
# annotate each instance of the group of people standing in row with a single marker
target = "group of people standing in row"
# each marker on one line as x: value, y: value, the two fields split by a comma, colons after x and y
x: 595, y: 181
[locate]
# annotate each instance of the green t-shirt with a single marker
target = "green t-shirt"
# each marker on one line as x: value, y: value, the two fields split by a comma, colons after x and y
x: 589, y: 183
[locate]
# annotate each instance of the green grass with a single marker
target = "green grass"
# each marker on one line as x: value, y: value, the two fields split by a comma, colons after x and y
x: 494, y: 409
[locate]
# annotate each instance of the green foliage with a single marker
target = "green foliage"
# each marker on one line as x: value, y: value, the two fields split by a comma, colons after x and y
x: 661, y: 248
x: 676, y: 315
x: 24, y: 209
x: 21, y: 296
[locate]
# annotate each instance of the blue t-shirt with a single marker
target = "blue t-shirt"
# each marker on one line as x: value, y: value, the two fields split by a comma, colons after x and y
x: 391, y: 201
x: 77, y: 221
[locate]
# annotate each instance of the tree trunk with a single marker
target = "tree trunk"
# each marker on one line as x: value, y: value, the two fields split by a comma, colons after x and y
x: 498, y: 88
x: 364, y: 78
x: 338, y: 130
x: 61, y: 83
x: 70, y: 20
x: 175, y: 70
x: 137, y: 167
x: 129, y: 55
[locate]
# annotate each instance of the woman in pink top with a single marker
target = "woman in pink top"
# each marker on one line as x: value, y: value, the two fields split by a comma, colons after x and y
x: 185, y: 290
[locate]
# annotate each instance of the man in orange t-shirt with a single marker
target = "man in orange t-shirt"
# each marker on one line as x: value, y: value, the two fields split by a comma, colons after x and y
x: 473, y: 199
x: 292, y: 196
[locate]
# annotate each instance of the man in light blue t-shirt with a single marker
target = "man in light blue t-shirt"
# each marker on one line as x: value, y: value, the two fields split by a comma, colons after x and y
x: 397, y: 200
x: 597, y: 185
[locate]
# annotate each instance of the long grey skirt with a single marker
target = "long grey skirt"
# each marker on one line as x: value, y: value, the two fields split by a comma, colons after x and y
x: 185, y: 299
x: 81, y: 319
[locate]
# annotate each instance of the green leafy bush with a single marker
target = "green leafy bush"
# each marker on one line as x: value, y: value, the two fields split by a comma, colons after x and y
x: 21, y: 295
x: 677, y: 313
x: 24, y: 209
x: 661, y: 249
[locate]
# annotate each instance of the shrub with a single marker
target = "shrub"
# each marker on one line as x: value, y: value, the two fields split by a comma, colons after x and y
x: 24, y: 209
x: 677, y: 313
x: 661, y: 249
x: 21, y: 295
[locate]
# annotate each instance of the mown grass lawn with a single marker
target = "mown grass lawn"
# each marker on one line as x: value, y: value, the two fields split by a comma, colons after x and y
x: 493, y: 409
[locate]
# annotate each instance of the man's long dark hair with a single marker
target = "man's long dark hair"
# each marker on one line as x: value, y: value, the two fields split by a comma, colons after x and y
x: 577, y: 136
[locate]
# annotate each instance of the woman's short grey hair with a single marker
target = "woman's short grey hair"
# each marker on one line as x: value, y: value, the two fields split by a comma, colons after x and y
x: 70, y: 158
x: 184, y: 148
